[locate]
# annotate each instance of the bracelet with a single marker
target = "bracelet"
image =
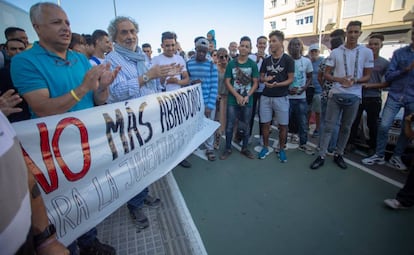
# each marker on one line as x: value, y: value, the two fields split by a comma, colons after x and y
x: 46, y: 243
x: 72, y: 92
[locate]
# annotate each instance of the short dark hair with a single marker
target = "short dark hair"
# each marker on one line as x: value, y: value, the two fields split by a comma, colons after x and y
x: 168, y: 35
x: 146, y: 45
x: 198, y: 37
x: 279, y: 34
x: 377, y: 36
x: 14, y: 40
x: 290, y: 45
x: 76, y: 39
x: 11, y: 30
x: 336, y: 42
x: 98, y: 34
x: 338, y: 33
x: 261, y: 37
x: 354, y: 23
x: 246, y: 39
x: 88, y: 39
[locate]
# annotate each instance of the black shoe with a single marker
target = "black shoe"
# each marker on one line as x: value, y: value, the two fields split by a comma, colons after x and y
x: 319, y: 161
x: 340, y: 161
x: 97, y: 248
x: 141, y: 220
x: 152, y: 201
x: 185, y: 164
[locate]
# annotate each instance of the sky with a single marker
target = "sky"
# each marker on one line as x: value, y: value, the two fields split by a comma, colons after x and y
x: 231, y: 19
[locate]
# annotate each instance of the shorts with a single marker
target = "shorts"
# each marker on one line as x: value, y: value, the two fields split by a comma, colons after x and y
x: 278, y: 105
x: 316, y: 103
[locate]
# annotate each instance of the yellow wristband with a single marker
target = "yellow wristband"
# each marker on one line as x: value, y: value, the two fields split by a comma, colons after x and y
x: 72, y: 92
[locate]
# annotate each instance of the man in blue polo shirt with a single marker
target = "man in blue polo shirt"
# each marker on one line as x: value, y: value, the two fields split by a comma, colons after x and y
x: 55, y: 80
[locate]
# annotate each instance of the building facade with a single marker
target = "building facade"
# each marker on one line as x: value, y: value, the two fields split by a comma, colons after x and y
x: 313, y: 20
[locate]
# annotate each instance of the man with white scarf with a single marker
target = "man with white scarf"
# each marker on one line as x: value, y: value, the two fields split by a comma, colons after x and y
x: 136, y: 79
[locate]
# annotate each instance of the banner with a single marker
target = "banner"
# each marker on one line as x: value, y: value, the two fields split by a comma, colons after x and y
x: 89, y: 163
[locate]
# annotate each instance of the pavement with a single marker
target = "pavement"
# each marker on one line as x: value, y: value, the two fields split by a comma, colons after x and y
x: 243, y: 206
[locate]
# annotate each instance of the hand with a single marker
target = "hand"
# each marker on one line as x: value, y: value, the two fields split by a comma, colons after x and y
x: 8, y: 101
x: 54, y: 248
x: 108, y: 76
x: 301, y: 90
x: 195, y: 81
x: 245, y: 100
x: 293, y: 91
x: 207, y: 112
x: 158, y: 71
x: 409, y: 118
x: 240, y: 100
x: 347, y: 81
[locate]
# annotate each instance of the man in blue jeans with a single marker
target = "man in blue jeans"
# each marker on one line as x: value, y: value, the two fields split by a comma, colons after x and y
x: 352, y: 65
x: 400, y: 75
x: 241, y: 78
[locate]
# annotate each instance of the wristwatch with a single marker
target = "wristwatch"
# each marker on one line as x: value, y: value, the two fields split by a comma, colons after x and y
x: 48, y: 232
x: 145, y: 78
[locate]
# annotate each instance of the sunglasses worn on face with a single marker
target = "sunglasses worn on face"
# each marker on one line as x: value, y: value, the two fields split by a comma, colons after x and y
x: 224, y: 57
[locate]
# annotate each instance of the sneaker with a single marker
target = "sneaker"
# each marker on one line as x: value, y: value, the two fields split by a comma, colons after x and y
x: 318, y: 162
x: 282, y: 156
x: 340, y: 161
x: 152, y: 202
x: 141, y: 221
x: 305, y: 148
x: 225, y: 154
x: 295, y: 139
x: 97, y: 248
x: 374, y: 159
x: 394, y: 204
x: 263, y: 153
x: 396, y: 162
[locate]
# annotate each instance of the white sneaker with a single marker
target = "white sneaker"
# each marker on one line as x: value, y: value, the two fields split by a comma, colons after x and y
x: 394, y: 204
x: 305, y: 148
x: 396, y: 162
x: 374, y: 159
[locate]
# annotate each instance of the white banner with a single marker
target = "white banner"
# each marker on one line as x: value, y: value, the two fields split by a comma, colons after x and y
x: 89, y: 163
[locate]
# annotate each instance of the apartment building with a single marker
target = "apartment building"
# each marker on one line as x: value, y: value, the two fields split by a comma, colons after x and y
x: 313, y: 20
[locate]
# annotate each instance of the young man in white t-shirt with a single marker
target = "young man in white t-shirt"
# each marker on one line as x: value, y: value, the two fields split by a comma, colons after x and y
x: 351, y: 64
x: 168, y: 56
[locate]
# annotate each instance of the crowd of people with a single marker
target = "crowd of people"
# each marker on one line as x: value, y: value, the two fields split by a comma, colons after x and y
x: 66, y: 71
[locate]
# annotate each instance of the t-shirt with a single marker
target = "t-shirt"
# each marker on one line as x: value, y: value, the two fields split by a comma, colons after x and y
x: 38, y: 68
x: 15, y: 217
x: 280, y: 68
x: 315, y: 82
x: 302, y: 67
x: 350, y: 62
x: 259, y: 64
x: 241, y: 78
x: 94, y: 61
x: 164, y: 60
x: 377, y: 76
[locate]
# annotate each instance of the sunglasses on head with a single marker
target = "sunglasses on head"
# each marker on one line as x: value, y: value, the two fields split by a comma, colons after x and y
x: 224, y: 57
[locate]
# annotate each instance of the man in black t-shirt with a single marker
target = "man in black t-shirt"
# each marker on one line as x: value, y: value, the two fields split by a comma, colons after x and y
x: 276, y: 73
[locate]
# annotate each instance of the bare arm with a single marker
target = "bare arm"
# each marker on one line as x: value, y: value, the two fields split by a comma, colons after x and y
x: 40, y: 222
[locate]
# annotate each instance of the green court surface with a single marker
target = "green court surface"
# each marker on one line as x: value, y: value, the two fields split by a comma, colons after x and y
x: 243, y: 206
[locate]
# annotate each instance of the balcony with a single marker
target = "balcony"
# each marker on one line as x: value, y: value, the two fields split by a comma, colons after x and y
x: 304, y: 3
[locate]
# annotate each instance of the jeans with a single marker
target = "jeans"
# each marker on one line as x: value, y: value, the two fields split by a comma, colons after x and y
x: 209, y: 143
x: 137, y: 201
x: 391, y: 108
x: 372, y: 106
x: 333, y: 113
x: 335, y: 130
x: 243, y: 113
x: 256, y: 105
x: 298, y: 114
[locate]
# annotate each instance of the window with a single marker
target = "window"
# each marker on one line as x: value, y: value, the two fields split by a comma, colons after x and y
x: 273, y: 3
x: 397, y: 5
x: 304, y: 20
x: 283, y: 24
x: 273, y: 25
x: 354, y: 8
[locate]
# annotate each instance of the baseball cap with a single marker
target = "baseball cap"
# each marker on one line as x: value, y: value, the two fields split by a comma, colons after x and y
x: 202, y: 42
x: 314, y: 47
